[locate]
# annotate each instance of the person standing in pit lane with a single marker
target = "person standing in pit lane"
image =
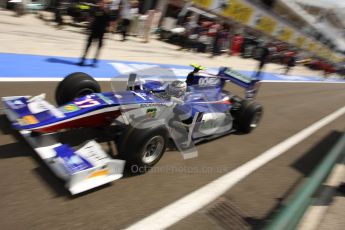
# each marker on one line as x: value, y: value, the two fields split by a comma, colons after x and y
x: 290, y: 62
x: 128, y: 10
x: 114, y: 7
x: 263, y: 59
x: 98, y: 27
x: 57, y: 13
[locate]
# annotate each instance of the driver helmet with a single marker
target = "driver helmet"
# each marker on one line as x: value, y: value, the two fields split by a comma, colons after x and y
x: 177, y: 89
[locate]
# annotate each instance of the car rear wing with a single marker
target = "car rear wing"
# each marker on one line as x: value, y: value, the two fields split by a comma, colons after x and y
x: 82, y: 169
x: 246, y: 82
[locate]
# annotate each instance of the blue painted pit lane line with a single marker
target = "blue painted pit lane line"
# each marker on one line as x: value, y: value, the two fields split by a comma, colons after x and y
x: 37, y: 66
x: 26, y: 67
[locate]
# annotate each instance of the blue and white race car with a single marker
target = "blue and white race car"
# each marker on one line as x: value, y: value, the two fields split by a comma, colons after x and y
x: 145, y: 118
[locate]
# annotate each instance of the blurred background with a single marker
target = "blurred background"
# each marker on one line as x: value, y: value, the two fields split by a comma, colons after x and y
x: 310, y: 31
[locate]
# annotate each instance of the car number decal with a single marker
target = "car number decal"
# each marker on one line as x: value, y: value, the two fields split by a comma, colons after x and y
x: 208, y: 81
x: 88, y: 102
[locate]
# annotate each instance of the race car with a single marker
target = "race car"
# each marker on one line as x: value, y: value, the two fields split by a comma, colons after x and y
x: 144, y: 119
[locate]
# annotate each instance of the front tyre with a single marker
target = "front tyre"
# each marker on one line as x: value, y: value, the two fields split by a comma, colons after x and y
x: 75, y: 85
x: 143, y: 148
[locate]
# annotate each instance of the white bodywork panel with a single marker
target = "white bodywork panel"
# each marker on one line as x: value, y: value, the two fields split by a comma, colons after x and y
x: 103, y: 168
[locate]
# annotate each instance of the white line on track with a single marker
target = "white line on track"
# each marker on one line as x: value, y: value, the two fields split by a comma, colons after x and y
x: 198, y: 199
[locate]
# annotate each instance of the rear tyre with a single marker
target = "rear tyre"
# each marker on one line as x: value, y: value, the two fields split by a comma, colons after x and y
x: 142, y: 148
x: 75, y: 85
x: 248, y: 116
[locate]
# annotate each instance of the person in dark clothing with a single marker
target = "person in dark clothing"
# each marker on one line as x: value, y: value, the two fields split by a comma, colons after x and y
x: 216, y: 41
x: 263, y: 58
x: 98, y: 27
x: 290, y: 63
x: 341, y: 188
x: 190, y: 77
x: 125, y: 26
x: 58, y: 15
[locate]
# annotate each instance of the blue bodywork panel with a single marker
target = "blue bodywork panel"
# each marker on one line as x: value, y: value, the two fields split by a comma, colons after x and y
x: 87, y: 105
x: 205, y: 96
x: 72, y: 162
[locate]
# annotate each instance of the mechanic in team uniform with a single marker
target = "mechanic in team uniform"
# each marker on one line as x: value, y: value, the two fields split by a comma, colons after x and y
x: 98, y: 27
x: 291, y: 62
x: 191, y: 75
x: 263, y: 59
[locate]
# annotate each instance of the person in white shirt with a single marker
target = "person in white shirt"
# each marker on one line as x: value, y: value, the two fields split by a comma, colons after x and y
x: 128, y: 10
